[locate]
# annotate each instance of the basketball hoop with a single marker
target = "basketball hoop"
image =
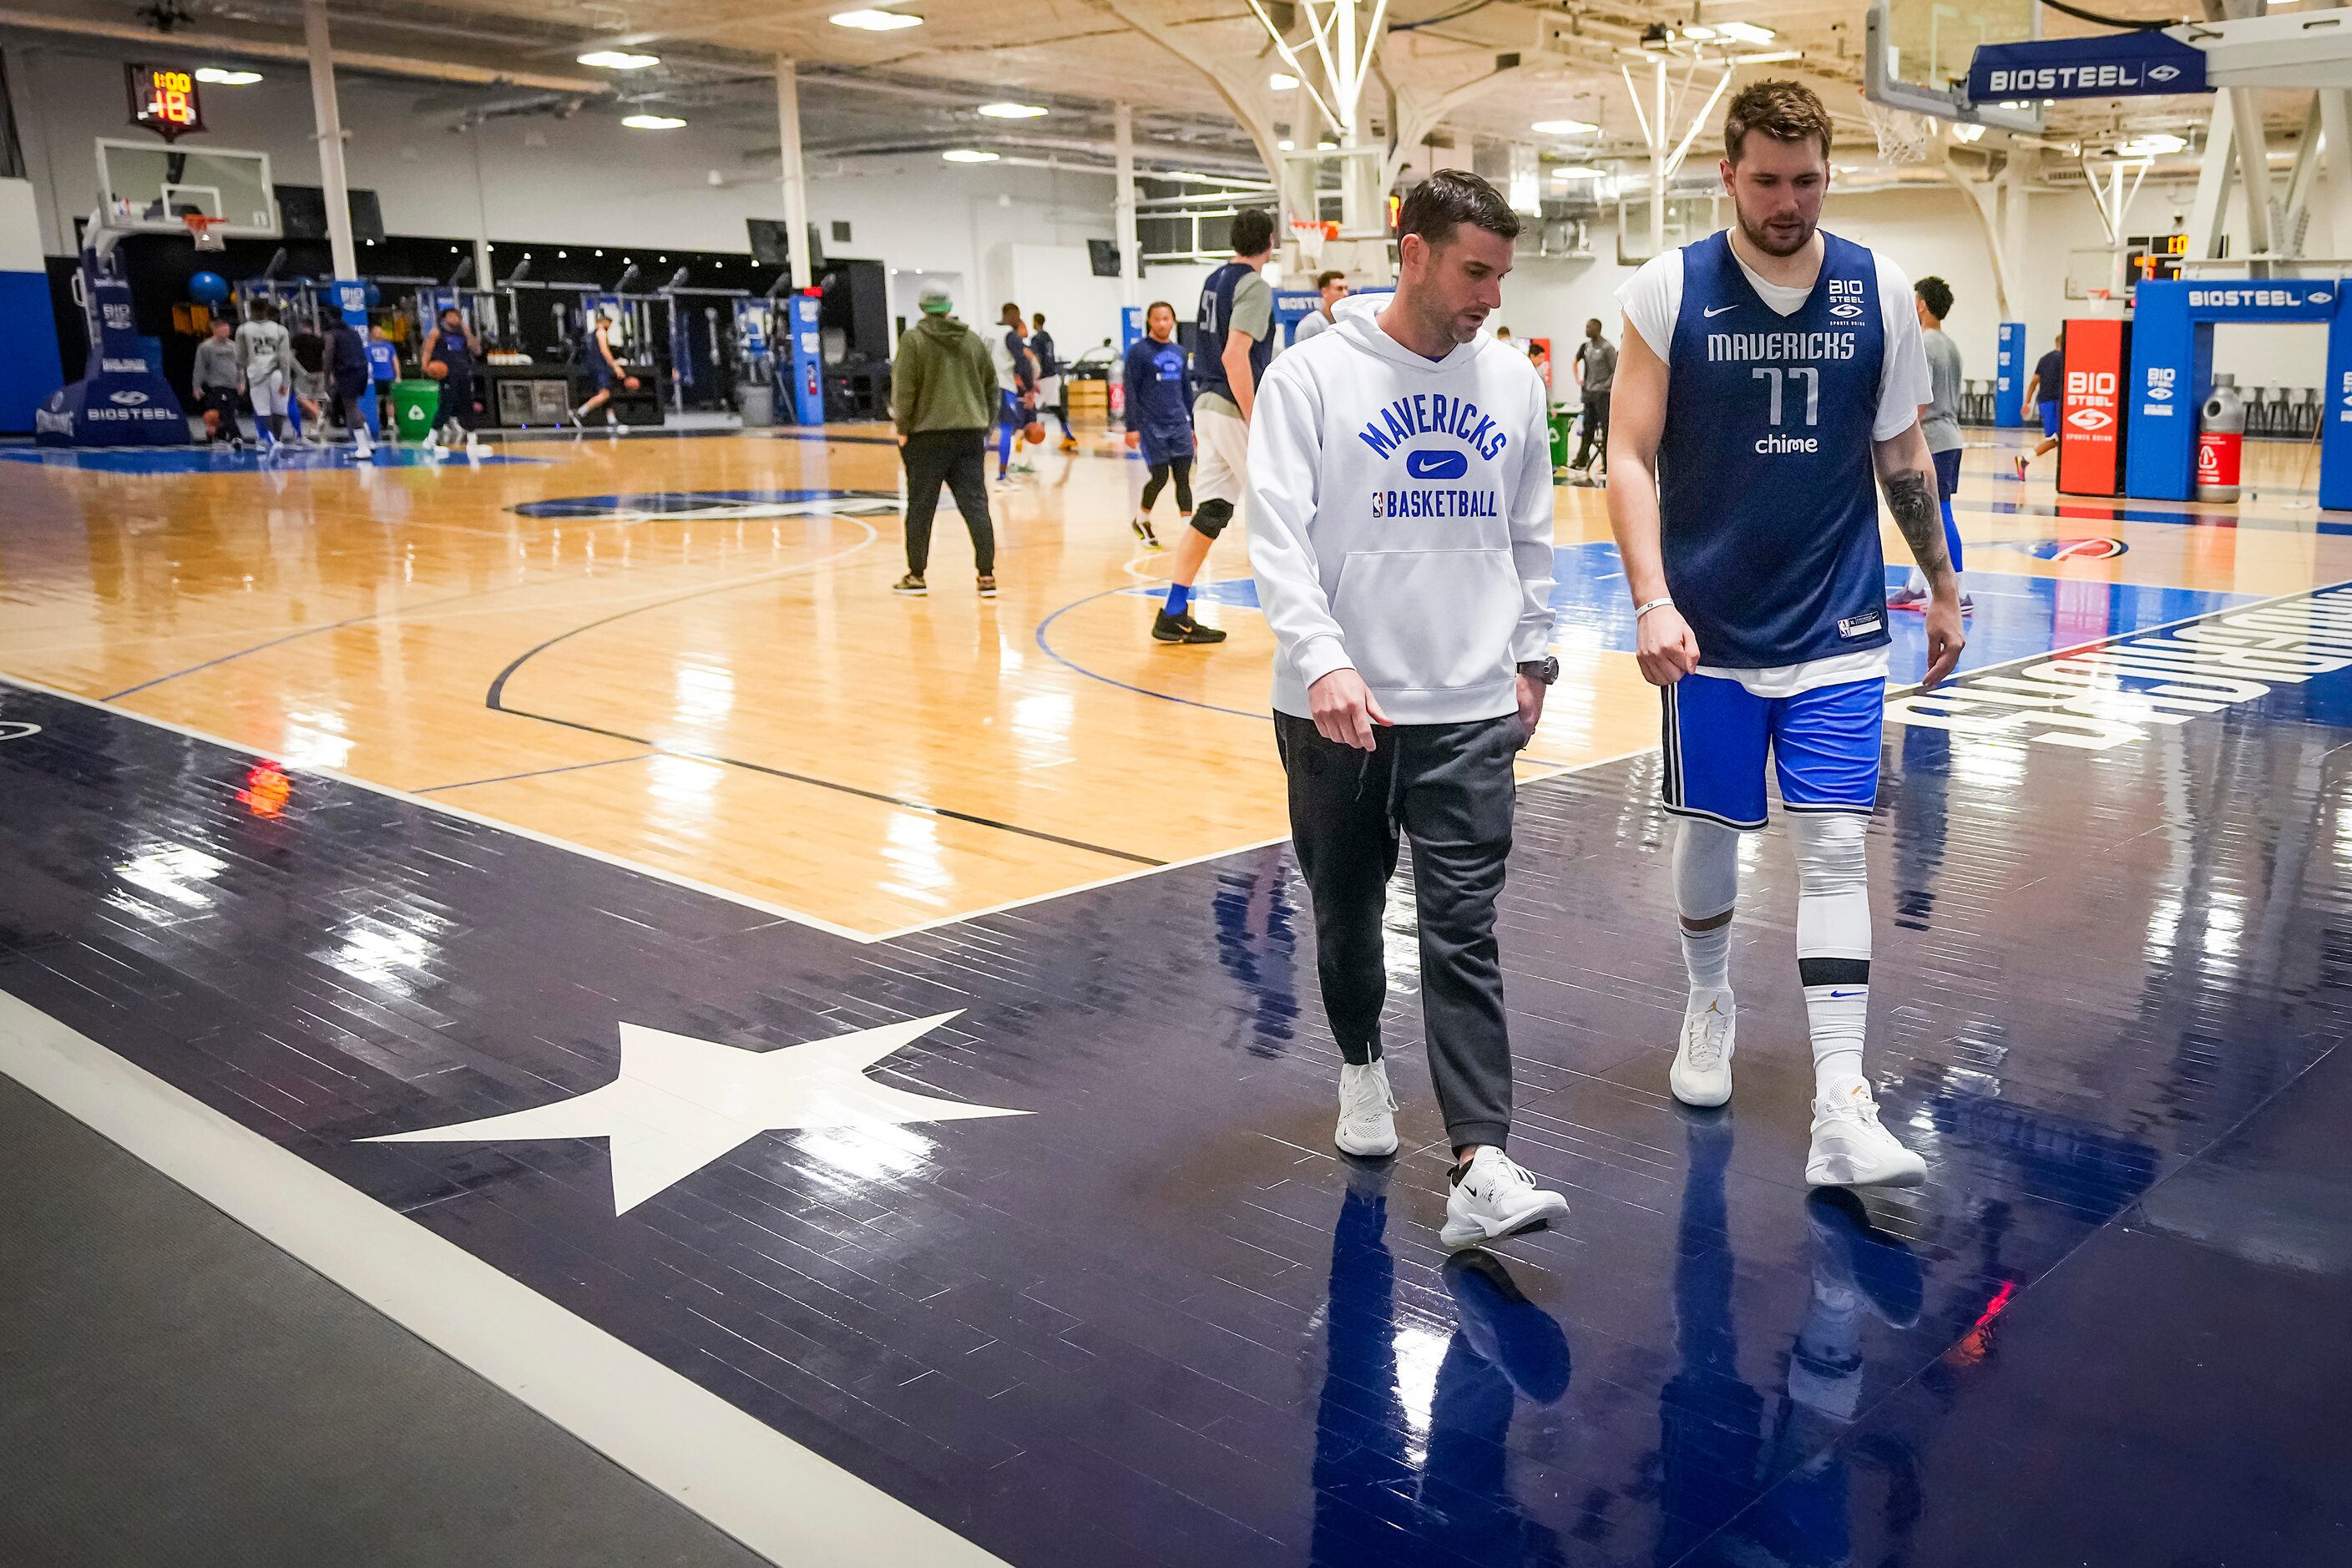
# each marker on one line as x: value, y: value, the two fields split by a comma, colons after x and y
x: 203, y: 229
x: 1309, y: 236
x: 1903, y: 137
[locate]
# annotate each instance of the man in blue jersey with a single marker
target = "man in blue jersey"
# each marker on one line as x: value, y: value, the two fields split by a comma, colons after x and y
x: 1231, y: 343
x: 1769, y: 386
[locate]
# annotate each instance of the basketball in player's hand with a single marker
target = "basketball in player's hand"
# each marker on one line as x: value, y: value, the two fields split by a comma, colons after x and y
x: 438, y: 369
x: 1034, y: 433
x: 629, y: 382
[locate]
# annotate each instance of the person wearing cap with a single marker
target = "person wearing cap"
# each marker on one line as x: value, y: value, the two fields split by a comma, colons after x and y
x: 943, y: 399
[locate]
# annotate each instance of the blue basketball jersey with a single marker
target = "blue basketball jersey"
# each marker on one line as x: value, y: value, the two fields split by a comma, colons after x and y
x: 1209, y: 328
x: 383, y: 361
x: 1768, y: 499
x: 452, y: 350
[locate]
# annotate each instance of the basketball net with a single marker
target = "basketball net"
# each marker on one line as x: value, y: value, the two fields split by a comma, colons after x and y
x: 1903, y: 137
x: 201, y: 229
x: 1309, y: 236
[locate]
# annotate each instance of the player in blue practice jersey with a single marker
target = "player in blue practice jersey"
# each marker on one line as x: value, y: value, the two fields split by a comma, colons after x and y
x: 1232, y: 342
x: 1769, y: 384
x: 1158, y: 386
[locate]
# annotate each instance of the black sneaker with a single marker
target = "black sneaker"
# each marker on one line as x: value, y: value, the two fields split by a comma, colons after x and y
x: 909, y: 586
x: 1142, y: 526
x: 988, y: 587
x: 1182, y: 628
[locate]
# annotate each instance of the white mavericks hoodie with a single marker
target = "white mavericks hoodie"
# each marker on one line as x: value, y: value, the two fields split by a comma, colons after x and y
x: 1401, y: 520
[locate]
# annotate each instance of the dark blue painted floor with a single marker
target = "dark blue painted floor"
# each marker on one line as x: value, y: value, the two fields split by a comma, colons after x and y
x: 1157, y: 1321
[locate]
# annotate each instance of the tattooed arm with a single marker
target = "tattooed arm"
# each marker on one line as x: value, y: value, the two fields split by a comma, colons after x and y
x: 1908, y: 474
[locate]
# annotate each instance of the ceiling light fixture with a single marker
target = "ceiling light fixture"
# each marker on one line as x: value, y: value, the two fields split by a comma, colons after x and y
x: 618, y: 60
x: 1286, y: 145
x: 1746, y: 33
x: 214, y: 76
x: 1014, y: 110
x: 1564, y: 127
x: 653, y: 122
x: 968, y: 155
x: 1698, y: 35
x: 1579, y: 173
x: 1282, y: 81
x: 868, y: 20
x: 1768, y: 58
x: 2154, y: 144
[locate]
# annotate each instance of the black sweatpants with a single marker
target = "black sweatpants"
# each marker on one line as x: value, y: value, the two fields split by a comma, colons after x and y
x: 1450, y: 788
x: 1596, y: 430
x: 1181, y: 468
x: 960, y: 459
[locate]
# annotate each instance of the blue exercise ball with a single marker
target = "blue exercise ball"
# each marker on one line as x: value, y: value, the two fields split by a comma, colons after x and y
x: 374, y: 296
x: 208, y: 288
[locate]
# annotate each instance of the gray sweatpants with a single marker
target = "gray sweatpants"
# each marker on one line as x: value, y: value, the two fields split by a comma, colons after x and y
x: 1450, y: 788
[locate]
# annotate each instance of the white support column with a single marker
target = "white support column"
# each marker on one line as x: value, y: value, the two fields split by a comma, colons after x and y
x: 1122, y: 202
x: 2209, y: 212
x: 1659, y: 134
x: 796, y: 177
x: 2335, y: 135
x: 2253, y: 174
x: 332, y: 184
x: 482, y: 278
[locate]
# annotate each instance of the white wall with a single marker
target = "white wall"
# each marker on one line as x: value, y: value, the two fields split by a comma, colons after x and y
x: 589, y: 181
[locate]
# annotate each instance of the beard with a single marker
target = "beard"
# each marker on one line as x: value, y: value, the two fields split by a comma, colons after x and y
x: 1762, y: 239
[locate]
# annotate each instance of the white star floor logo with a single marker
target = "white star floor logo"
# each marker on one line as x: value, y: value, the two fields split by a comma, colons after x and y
x: 681, y: 1103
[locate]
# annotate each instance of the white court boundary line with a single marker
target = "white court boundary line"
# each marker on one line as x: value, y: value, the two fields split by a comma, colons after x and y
x: 749, y: 1481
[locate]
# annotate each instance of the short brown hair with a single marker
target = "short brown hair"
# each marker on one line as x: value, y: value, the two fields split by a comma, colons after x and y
x: 1449, y: 198
x: 1325, y: 279
x: 1784, y: 110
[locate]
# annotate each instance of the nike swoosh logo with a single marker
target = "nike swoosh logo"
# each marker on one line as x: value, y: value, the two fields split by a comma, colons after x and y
x: 1842, y: 995
x: 1720, y: 309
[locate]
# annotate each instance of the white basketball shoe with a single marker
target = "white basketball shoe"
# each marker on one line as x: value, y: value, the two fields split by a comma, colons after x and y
x: 1852, y: 1150
x: 1495, y: 1197
x: 1701, y: 1075
x: 1367, y: 1110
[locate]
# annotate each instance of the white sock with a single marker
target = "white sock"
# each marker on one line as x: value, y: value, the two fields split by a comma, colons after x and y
x: 1833, y: 946
x: 1707, y: 884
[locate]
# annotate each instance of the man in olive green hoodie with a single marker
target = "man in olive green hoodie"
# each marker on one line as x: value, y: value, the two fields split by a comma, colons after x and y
x: 943, y: 395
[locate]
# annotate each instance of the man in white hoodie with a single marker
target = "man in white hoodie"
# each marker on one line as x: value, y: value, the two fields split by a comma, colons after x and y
x: 1401, y: 528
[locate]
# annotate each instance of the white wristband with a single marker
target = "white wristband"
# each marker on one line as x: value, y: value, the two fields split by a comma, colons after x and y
x: 1640, y: 610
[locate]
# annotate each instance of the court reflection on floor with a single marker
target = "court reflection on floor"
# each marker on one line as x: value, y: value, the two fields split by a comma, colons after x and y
x: 1412, y: 1470
x: 1745, y: 1479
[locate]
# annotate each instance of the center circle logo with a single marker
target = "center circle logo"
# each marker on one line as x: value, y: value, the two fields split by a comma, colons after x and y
x: 2071, y: 549
x: 695, y: 506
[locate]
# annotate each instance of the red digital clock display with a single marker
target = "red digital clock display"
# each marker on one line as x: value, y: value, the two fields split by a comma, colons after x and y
x: 163, y: 100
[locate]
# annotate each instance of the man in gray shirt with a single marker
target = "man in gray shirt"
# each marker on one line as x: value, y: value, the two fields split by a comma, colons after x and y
x: 1333, y: 287
x: 214, y: 382
x: 1939, y: 421
x: 1596, y: 369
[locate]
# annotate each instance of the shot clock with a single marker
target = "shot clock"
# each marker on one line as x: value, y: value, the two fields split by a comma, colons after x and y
x: 163, y: 100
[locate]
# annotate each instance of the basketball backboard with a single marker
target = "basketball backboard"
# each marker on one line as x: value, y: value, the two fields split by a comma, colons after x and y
x: 1915, y: 55
x: 147, y: 188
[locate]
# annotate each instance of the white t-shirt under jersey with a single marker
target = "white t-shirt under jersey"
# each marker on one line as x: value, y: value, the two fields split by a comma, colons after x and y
x: 1652, y: 299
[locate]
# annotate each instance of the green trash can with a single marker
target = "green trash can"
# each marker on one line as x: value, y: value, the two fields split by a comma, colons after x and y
x: 416, y: 406
x: 1563, y: 438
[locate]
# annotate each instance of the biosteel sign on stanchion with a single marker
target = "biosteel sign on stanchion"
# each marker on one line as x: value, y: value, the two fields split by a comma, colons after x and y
x: 2091, y: 413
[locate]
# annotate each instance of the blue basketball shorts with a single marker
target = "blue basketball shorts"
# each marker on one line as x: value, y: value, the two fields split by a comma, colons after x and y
x: 1823, y: 743
x: 2049, y: 419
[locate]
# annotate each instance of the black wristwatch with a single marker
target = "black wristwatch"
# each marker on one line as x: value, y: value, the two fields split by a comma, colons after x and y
x: 1542, y: 671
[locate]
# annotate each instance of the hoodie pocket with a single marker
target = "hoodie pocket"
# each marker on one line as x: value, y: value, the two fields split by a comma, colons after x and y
x: 1429, y: 619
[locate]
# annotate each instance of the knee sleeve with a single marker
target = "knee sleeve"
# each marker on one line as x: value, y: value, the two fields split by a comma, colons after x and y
x: 1211, y: 520
x: 1707, y: 868
x: 1832, y: 899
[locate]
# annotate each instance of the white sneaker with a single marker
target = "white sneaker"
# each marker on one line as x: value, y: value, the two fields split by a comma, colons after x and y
x: 1852, y: 1150
x: 1495, y: 1197
x: 1701, y: 1075
x: 1367, y: 1110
